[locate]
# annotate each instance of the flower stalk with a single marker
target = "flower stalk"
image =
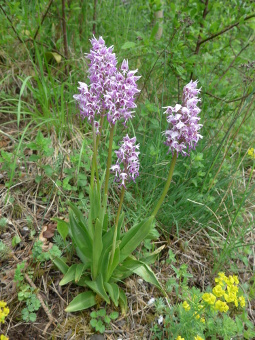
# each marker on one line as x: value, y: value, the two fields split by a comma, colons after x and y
x: 116, y: 224
x: 109, y: 160
x: 167, y: 185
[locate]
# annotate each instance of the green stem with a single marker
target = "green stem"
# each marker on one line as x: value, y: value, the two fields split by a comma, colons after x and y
x: 109, y: 161
x: 167, y: 185
x: 94, y: 161
x: 100, y: 130
x: 116, y: 224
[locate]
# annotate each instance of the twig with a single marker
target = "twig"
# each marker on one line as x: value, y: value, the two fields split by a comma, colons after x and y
x: 46, y: 309
x: 232, y: 62
x: 225, y: 29
x: 20, y: 40
x: 43, y: 17
x: 205, y: 12
x: 228, y: 101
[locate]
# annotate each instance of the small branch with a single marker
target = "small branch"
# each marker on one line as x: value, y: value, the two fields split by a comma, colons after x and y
x: 205, y: 12
x: 232, y: 62
x: 13, y: 28
x: 43, y: 17
x: 228, y: 101
x: 225, y: 29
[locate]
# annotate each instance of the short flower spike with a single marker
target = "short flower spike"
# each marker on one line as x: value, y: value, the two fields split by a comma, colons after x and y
x: 128, y: 157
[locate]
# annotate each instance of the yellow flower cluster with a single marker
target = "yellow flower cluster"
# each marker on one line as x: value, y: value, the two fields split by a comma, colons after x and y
x: 4, y: 311
x: 3, y: 337
x: 196, y: 338
x: 251, y: 153
x: 227, y: 288
x: 186, y: 306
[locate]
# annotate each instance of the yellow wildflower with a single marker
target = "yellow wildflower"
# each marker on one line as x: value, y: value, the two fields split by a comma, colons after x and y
x: 4, y: 311
x: 198, y: 338
x: 221, y: 306
x: 2, y: 304
x: 251, y: 153
x: 3, y: 337
x: 209, y: 298
x: 242, y: 301
x: 179, y: 338
x: 218, y: 291
x: 186, y: 306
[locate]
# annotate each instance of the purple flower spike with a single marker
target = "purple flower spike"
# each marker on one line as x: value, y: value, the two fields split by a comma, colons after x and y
x: 183, y: 121
x: 110, y: 89
x: 128, y: 157
x: 120, y: 98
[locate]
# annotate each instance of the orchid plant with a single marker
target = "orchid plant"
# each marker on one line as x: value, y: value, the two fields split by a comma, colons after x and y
x: 104, y: 248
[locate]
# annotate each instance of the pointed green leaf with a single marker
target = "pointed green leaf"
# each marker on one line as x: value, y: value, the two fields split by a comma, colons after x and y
x: 69, y: 276
x: 145, y: 272
x: 97, y: 248
x: 95, y: 203
x: 80, y: 236
x: 107, y: 247
x: 151, y: 257
x: 115, y: 263
x: 62, y: 266
x: 82, y: 222
x: 113, y: 291
x: 81, y: 301
x: 98, y: 287
x: 133, y: 238
x: 79, y: 271
x: 123, y: 302
x: 62, y: 228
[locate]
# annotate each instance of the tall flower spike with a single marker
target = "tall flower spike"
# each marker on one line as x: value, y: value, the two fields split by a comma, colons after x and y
x: 183, y: 121
x: 127, y: 156
x: 120, y: 98
x: 110, y: 89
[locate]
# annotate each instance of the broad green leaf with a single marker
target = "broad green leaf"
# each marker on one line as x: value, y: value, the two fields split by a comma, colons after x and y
x: 62, y: 266
x: 79, y: 271
x: 97, y: 248
x: 113, y: 291
x: 81, y: 301
x: 95, y: 203
x: 107, y: 246
x: 80, y: 236
x: 78, y: 214
x: 133, y: 238
x: 151, y: 257
x: 126, y: 269
x: 105, y: 224
x: 128, y: 44
x: 120, y: 225
x: 69, y: 276
x: 50, y: 56
x: 98, y: 287
x: 145, y: 272
x: 115, y: 263
x: 62, y: 228
x: 123, y: 302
